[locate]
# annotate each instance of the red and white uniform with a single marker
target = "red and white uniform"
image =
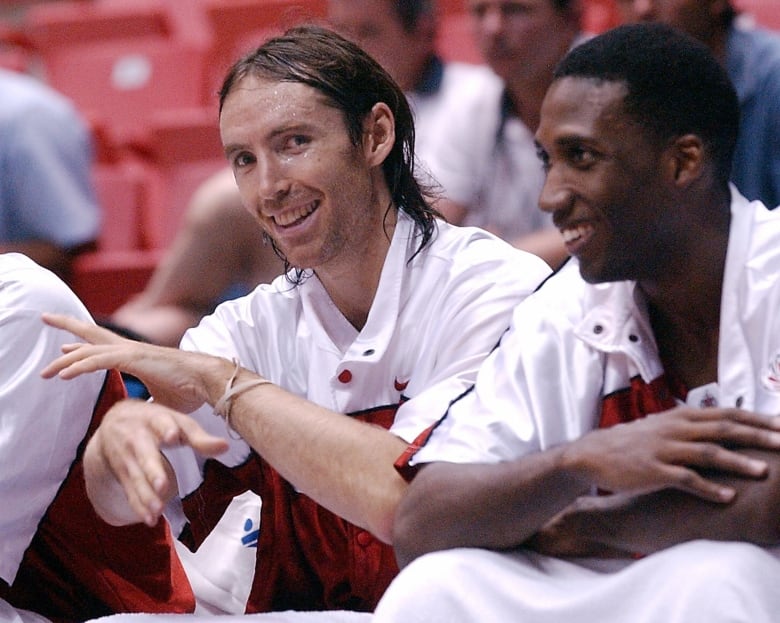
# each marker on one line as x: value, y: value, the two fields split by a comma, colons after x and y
x: 56, y: 556
x: 578, y: 356
x: 433, y: 320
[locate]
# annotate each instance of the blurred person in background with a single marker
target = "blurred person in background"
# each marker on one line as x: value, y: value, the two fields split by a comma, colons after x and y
x: 48, y: 208
x: 488, y: 168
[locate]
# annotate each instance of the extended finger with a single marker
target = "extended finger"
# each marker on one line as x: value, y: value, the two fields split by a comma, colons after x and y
x: 690, y: 481
x: 712, y: 456
x: 195, y: 436
x: 758, y: 432
x: 739, y: 416
x: 81, y: 360
x: 87, y: 331
x: 133, y: 472
x: 141, y: 494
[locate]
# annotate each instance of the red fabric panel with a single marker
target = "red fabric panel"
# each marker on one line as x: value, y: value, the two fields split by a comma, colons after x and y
x: 78, y: 567
x: 307, y: 557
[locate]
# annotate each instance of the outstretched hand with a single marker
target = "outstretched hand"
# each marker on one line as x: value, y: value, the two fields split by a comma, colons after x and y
x: 173, y: 377
x: 125, y: 453
x: 673, y: 448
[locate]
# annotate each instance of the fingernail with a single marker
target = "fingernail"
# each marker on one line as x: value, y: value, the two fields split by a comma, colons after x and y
x: 727, y: 494
x: 758, y: 466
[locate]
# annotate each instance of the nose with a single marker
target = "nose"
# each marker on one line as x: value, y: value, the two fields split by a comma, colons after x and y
x: 556, y: 196
x: 271, y: 183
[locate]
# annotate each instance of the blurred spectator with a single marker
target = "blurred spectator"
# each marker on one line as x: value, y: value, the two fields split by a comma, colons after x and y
x: 751, y: 57
x: 48, y: 209
x: 219, y: 252
x: 401, y: 35
x: 488, y: 168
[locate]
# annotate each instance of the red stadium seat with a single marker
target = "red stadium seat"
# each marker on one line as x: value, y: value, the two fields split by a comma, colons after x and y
x: 118, y: 64
x: 238, y: 26
x: 455, y: 41
x: 122, y: 190
x: 184, y: 149
x: 600, y: 15
x: 104, y: 280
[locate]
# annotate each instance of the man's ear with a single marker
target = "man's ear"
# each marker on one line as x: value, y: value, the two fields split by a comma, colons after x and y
x: 686, y: 158
x: 379, y: 134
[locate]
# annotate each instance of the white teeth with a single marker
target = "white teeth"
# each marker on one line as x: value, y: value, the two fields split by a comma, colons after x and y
x: 287, y: 218
x: 575, y: 233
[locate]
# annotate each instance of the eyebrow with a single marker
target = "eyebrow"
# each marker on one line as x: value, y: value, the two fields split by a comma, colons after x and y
x: 300, y: 127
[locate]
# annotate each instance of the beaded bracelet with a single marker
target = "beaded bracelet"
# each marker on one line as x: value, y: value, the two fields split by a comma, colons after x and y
x: 223, y: 405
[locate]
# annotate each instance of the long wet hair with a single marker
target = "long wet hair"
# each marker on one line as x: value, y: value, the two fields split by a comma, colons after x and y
x: 353, y: 82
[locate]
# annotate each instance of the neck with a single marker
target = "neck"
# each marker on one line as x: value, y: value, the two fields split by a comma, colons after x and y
x: 352, y: 284
x: 684, y: 303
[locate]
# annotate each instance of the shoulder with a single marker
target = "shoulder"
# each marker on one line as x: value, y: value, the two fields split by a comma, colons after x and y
x: 565, y: 300
x: 469, y: 248
x: 753, y: 60
x: 471, y: 86
x: 26, y: 286
x: 269, y: 312
x: 764, y: 251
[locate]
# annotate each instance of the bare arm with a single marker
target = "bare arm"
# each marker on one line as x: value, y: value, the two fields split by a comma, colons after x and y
x: 546, y: 243
x: 344, y: 464
x: 500, y: 506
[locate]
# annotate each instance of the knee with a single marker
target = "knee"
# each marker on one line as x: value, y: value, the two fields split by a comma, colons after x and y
x: 727, y: 580
x: 430, y: 589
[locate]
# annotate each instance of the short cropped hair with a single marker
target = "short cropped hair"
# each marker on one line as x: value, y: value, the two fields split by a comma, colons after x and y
x: 675, y: 86
x: 352, y: 82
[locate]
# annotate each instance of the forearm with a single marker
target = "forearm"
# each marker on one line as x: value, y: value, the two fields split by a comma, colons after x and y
x: 647, y: 523
x: 342, y: 463
x: 496, y: 506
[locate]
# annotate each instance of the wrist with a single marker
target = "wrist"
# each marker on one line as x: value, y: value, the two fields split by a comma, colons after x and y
x: 216, y: 373
x: 239, y: 381
x: 575, y: 466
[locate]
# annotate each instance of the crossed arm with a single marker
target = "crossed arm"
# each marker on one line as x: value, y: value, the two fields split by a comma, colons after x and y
x: 679, y: 475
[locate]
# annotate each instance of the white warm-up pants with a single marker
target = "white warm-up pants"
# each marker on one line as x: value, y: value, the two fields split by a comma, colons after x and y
x: 699, y: 581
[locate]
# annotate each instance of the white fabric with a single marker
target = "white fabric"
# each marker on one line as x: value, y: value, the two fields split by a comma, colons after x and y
x: 487, y: 163
x: 434, y: 319
x: 553, y: 360
x: 331, y: 616
x: 542, y: 387
x: 9, y: 614
x: 696, y: 582
x: 437, y: 111
x: 222, y: 569
x: 42, y: 422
